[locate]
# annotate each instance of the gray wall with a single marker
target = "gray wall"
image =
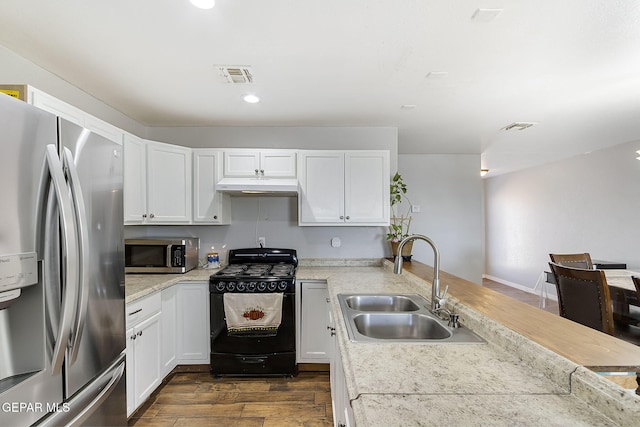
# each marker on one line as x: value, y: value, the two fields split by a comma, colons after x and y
x: 15, y: 69
x: 448, y: 190
x: 310, y: 138
x: 589, y: 203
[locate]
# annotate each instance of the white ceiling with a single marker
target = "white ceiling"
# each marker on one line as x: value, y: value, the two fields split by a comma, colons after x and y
x: 571, y: 66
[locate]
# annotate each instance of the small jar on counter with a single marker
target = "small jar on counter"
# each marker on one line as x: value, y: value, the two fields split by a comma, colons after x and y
x: 213, y: 260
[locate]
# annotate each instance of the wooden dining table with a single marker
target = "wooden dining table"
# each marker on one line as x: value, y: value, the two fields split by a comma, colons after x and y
x: 624, y: 296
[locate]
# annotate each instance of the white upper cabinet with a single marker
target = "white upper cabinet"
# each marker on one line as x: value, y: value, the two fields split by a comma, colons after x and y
x: 266, y: 163
x: 157, y: 178
x: 366, y: 187
x: 321, y: 198
x: 344, y: 188
x: 209, y: 206
x: 135, y: 180
x: 168, y: 183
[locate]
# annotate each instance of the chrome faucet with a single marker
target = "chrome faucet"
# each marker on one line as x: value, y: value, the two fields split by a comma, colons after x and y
x: 437, y: 300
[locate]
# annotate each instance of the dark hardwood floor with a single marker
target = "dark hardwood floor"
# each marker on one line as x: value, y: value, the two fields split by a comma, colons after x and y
x: 526, y: 297
x: 197, y: 399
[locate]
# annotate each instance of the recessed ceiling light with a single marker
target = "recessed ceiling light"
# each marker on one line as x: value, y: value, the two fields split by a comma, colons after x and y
x: 251, y: 98
x: 485, y: 15
x: 203, y: 4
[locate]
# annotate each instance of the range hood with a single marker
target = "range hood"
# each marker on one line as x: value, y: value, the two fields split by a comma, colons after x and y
x: 258, y: 186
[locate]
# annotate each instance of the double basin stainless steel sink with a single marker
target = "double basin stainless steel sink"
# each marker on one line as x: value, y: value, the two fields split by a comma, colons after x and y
x: 398, y: 318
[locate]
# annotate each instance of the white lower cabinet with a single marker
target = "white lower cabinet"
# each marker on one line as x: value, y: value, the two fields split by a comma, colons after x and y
x: 314, y: 341
x: 169, y: 357
x: 165, y: 329
x: 341, y: 405
x: 193, y: 323
x: 143, y: 349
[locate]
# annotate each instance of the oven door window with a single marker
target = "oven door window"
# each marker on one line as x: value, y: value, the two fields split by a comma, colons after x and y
x: 145, y: 256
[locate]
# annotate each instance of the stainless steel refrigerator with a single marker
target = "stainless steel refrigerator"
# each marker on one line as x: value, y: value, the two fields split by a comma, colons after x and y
x: 62, y: 327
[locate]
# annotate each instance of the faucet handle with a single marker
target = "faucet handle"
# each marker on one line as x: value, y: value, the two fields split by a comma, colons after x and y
x: 442, y: 299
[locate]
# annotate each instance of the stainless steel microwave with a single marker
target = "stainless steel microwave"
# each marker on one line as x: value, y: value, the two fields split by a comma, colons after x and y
x: 161, y: 255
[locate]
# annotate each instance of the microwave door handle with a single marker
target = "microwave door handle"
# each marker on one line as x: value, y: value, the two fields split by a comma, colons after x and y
x: 69, y: 243
x: 169, y: 256
x: 84, y: 253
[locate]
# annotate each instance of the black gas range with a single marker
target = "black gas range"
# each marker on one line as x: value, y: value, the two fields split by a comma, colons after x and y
x: 257, y: 351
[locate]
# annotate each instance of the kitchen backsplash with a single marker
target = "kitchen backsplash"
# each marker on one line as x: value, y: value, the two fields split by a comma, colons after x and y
x: 276, y: 219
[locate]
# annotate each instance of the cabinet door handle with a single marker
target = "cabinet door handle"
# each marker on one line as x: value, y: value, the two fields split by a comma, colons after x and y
x: 341, y: 216
x: 215, y: 217
x: 135, y: 312
x: 348, y: 217
x: 152, y: 216
x: 144, y: 215
x: 139, y: 333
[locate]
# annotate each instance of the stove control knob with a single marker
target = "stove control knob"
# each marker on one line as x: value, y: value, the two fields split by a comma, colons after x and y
x: 262, y: 286
x: 241, y: 287
x: 282, y: 286
x: 220, y: 286
x: 231, y: 286
x: 272, y: 286
x: 251, y: 286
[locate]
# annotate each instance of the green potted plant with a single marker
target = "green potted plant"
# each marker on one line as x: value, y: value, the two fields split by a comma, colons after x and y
x: 400, y: 222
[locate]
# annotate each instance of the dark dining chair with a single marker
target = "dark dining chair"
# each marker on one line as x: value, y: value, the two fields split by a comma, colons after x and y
x: 573, y: 260
x: 633, y: 302
x: 583, y: 296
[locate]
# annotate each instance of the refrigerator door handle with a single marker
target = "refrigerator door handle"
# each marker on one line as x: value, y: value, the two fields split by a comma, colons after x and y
x: 84, y: 253
x: 70, y: 242
x: 83, y: 405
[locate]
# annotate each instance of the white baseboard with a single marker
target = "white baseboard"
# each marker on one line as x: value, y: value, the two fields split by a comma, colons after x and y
x: 551, y: 291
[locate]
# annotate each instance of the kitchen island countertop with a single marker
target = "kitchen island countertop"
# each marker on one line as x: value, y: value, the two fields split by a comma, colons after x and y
x: 511, y: 380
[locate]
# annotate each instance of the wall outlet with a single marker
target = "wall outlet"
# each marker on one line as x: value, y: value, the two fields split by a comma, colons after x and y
x: 335, y: 242
x: 415, y: 208
x: 262, y: 242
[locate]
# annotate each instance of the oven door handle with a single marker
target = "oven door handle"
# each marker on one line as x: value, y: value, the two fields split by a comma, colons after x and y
x: 254, y: 359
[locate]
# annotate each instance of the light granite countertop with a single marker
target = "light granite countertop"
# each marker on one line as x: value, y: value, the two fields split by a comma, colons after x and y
x: 509, y: 381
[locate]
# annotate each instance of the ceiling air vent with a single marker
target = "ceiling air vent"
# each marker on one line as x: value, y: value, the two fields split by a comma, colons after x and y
x: 236, y: 74
x: 518, y: 126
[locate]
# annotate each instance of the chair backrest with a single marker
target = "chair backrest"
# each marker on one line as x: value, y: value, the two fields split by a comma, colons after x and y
x: 636, y: 282
x: 583, y: 296
x: 573, y: 260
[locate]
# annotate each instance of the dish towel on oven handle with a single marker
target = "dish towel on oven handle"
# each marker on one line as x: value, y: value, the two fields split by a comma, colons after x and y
x: 253, y: 313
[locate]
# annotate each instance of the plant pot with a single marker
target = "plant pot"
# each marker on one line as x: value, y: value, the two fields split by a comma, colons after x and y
x: 406, y: 250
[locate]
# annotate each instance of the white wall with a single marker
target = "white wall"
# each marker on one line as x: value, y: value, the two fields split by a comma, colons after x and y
x: 448, y: 190
x: 589, y: 203
x: 310, y: 138
x: 15, y: 69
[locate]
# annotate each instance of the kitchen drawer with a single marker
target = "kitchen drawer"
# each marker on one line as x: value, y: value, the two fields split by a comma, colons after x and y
x: 143, y: 308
